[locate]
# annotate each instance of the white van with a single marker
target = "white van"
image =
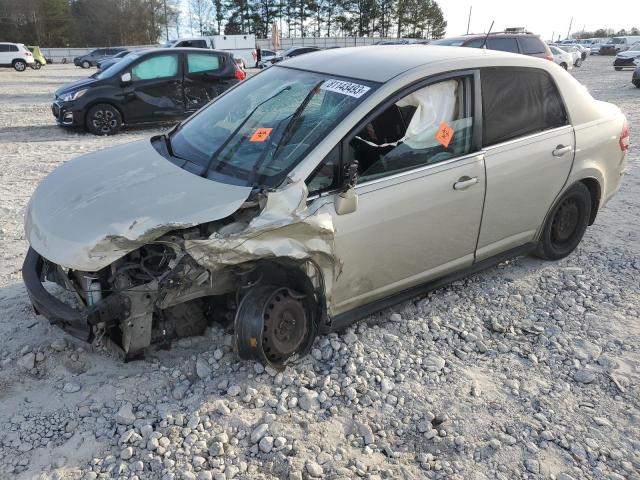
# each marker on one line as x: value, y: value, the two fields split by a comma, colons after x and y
x: 242, y: 47
x: 619, y: 44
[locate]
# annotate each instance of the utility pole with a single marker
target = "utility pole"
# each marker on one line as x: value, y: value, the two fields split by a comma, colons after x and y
x: 568, y: 33
x: 469, y: 21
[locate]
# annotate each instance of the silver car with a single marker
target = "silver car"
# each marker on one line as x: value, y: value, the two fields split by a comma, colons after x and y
x: 319, y: 191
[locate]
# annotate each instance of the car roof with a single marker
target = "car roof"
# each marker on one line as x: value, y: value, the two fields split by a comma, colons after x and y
x: 381, y: 63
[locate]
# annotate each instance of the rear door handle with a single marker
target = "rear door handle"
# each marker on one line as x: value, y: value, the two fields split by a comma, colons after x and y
x: 561, y: 150
x: 465, y: 182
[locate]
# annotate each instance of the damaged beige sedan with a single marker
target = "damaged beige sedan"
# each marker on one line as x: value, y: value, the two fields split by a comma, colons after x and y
x: 319, y: 191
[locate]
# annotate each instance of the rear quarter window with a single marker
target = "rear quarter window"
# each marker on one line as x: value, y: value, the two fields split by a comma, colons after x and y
x: 503, y: 44
x: 517, y: 102
x: 531, y: 45
x: 201, y: 62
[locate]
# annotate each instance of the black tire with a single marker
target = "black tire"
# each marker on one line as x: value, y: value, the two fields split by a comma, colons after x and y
x: 103, y: 119
x: 564, y: 65
x: 636, y: 83
x: 617, y: 69
x: 566, y: 223
x: 85, y: 64
x: 273, y: 325
x: 36, y: 65
x: 20, y: 65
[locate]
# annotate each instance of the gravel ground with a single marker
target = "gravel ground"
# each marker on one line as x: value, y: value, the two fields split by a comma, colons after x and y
x: 528, y: 370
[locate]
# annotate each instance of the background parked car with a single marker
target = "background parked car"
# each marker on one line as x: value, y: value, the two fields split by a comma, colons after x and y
x: 146, y: 86
x: 241, y: 46
x: 562, y: 58
x: 574, y: 52
x: 289, y: 53
x: 265, y: 55
x: 38, y: 57
x: 92, y: 58
x: 515, y: 41
x: 629, y: 58
x: 618, y: 44
x: 108, y: 61
x: 15, y: 55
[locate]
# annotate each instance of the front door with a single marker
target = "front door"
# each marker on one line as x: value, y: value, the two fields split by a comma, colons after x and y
x: 529, y: 150
x: 201, y: 79
x: 155, y: 92
x: 420, y: 194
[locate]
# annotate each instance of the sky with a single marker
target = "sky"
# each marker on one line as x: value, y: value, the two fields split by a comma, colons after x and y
x: 544, y: 17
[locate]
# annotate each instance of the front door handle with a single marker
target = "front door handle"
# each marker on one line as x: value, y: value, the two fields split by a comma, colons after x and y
x: 465, y: 182
x: 561, y: 150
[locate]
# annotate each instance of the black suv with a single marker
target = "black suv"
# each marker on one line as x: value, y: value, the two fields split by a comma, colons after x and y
x: 146, y: 86
x: 525, y: 43
x: 92, y: 58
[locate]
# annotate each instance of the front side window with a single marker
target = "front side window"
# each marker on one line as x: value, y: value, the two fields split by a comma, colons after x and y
x: 201, y: 62
x: 161, y: 66
x: 430, y: 125
x: 531, y: 45
x: 503, y: 44
x: 518, y: 102
x: 4, y: 48
x: 256, y: 133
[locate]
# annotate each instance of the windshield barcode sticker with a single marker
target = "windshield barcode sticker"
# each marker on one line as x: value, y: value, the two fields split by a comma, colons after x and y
x: 346, y: 88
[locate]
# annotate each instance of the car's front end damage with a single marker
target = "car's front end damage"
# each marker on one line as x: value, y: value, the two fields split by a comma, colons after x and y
x: 146, y: 278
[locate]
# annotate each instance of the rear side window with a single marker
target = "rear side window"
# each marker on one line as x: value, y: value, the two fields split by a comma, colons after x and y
x: 162, y: 66
x: 199, y: 62
x: 503, y: 44
x: 531, y: 45
x: 12, y: 48
x: 518, y: 102
x: 475, y: 43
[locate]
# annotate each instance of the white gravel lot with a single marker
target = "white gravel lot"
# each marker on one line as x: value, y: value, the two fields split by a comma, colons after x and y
x: 528, y: 370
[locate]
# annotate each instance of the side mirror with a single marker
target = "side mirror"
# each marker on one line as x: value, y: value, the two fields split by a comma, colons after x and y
x: 125, y: 77
x: 346, y: 202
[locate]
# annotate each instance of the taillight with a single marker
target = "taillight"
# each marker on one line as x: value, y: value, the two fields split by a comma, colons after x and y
x: 240, y: 75
x: 28, y: 54
x: 624, y: 137
x: 549, y: 57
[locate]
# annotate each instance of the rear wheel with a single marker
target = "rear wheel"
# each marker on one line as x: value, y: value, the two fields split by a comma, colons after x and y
x: 637, y: 83
x: 20, y: 65
x: 564, y: 65
x: 273, y: 325
x: 36, y: 65
x: 566, y: 223
x: 103, y: 119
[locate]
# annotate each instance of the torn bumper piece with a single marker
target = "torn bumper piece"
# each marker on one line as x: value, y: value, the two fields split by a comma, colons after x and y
x: 76, y: 322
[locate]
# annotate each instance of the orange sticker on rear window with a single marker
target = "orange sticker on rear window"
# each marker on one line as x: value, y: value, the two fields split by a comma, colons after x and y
x: 260, y: 135
x: 444, y: 134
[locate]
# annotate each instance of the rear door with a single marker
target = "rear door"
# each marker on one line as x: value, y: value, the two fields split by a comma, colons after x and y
x: 155, y: 92
x: 528, y: 148
x: 203, y: 78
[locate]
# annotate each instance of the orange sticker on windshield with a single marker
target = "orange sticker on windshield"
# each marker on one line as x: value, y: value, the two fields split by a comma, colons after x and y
x: 260, y: 135
x: 444, y: 134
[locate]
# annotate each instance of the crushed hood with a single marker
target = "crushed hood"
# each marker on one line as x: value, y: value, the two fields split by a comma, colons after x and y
x: 95, y: 209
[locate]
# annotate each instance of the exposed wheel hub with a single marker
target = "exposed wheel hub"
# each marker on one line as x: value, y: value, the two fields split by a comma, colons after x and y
x: 285, y: 325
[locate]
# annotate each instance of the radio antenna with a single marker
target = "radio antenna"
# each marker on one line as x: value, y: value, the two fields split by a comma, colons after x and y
x: 484, y: 44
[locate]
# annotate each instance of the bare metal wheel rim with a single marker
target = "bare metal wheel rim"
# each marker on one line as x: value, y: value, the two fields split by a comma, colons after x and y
x: 104, y: 120
x: 20, y: 66
x: 286, y: 326
x: 565, y: 222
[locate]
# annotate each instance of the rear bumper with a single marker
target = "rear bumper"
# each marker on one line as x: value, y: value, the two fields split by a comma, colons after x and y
x: 57, y: 312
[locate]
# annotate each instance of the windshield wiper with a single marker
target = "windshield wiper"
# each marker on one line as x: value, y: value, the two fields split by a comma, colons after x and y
x: 287, y: 129
x: 235, y: 132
